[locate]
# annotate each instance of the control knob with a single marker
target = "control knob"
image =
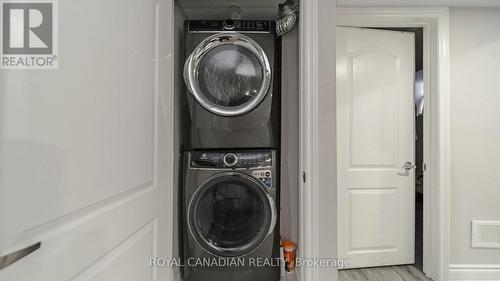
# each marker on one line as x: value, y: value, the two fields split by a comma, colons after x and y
x: 229, y: 24
x: 230, y: 159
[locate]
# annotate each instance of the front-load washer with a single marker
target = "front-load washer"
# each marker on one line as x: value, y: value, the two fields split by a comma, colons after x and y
x: 231, y: 73
x: 230, y: 220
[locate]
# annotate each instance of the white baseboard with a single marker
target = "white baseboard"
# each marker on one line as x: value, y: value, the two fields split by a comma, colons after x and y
x: 474, y: 272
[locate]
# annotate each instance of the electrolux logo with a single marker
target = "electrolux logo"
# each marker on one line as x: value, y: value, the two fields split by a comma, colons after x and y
x: 29, y: 35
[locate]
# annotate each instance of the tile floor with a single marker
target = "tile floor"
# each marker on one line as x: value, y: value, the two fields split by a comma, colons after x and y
x: 389, y: 273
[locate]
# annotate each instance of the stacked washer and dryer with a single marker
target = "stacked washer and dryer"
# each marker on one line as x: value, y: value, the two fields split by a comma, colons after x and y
x: 231, y: 134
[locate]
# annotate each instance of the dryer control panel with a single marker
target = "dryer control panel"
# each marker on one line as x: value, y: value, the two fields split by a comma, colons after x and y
x: 231, y: 159
x: 245, y: 26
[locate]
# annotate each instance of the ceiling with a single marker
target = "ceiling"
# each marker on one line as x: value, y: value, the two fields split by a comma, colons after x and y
x: 268, y: 9
x: 418, y: 3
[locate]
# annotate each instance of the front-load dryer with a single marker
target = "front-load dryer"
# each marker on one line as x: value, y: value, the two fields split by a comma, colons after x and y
x: 230, y: 216
x: 231, y: 73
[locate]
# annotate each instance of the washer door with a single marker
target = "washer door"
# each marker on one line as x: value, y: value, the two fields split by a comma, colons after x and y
x: 231, y: 215
x: 228, y: 74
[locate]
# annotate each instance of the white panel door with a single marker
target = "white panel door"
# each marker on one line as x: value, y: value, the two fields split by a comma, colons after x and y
x: 375, y: 119
x: 86, y: 150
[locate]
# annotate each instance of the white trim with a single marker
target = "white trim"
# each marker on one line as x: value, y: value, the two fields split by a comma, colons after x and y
x: 313, y: 93
x: 308, y: 132
x: 418, y: 3
x: 444, y: 168
x: 474, y: 272
x: 317, y: 199
x: 436, y: 57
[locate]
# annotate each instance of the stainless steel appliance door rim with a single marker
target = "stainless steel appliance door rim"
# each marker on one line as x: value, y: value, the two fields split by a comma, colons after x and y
x: 212, y: 42
x: 224, y: 252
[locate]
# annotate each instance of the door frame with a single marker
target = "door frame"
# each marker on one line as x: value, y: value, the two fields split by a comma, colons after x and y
x: 393, y: 185
x: 316, y: 92
x: 317, y: 101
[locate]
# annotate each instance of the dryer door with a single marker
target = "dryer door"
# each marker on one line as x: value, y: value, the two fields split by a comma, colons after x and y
x: 228, y: 74
x: 231, y: 214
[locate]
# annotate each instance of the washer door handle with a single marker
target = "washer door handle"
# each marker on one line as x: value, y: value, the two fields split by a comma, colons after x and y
x: 274, y: 214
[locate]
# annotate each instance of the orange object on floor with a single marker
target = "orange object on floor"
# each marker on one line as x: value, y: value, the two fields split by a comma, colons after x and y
x: 290, y: 254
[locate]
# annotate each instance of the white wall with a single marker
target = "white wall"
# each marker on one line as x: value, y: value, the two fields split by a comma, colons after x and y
x: 290, y: 174
x: 475, y: 128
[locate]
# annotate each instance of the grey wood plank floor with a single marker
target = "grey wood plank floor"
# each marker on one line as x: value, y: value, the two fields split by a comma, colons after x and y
x: 389, y: 273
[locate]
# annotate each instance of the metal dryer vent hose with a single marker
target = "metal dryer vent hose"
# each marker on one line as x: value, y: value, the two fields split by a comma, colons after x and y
x: 288, y: 19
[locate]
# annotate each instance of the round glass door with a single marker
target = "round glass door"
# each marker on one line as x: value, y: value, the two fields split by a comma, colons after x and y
x: 231, y: 215
x: 228, y: 74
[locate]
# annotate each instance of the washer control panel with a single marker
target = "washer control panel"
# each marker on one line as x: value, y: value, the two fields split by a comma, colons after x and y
x: 231, y: 159
x: 251, y: 26
x: 264, y: 176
